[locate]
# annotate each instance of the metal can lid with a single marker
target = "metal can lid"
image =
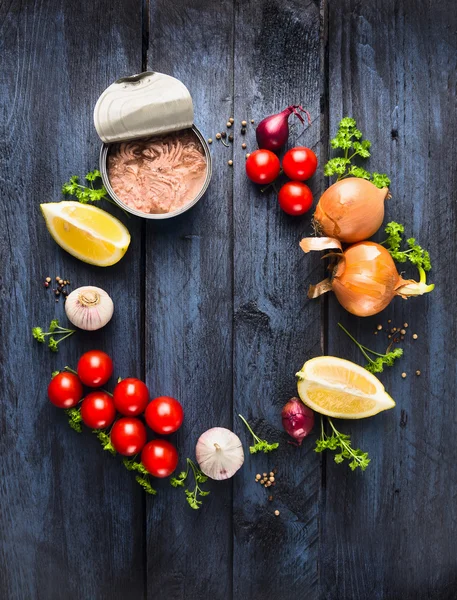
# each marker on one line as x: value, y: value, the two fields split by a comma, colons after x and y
x: 142, y: 105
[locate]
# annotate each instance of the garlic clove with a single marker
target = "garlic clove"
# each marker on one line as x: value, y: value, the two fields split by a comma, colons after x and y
x: 89, y: 308
x: 219, y: 453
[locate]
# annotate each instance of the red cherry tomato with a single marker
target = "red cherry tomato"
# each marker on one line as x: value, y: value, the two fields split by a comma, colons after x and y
x: 295, y: 198
x: 95, y: 368
x: 164, y: 415
x: 130, y: 397
x: 160, y: 458
x: 65, y: 390
x: 128, y: 436
x: 97, y: 410
x: 299, y: 163
x: 262, y: 166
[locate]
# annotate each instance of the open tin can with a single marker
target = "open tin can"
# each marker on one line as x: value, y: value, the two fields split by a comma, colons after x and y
x: 144, y: 121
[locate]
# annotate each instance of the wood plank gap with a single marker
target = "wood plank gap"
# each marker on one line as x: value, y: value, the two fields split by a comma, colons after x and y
x: 145, y: 10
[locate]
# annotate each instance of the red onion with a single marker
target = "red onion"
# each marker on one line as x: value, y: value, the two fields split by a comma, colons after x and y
x: 273, y: 132
x: 297, y: 420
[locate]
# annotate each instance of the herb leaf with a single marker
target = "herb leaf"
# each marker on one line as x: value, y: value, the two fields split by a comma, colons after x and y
x: 340, y: 441
x: 349, y: 139
x: 105, y: 441
x: 146, y: 485
x: 259, y: 445
x: 132, y: 465
x: 375, y: 365
x: 74, y: 418
x: 414, y: 253
x: 192, y: 497
x: 54, y: 329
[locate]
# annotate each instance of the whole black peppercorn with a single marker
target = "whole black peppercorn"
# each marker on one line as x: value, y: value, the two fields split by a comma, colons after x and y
x: 224, y: 134
x: 230, y: 138
x: 243, y: 131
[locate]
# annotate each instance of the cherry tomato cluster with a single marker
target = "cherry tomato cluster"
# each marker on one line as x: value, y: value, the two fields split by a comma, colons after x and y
x: 299, y: 164
x: 130, y: 399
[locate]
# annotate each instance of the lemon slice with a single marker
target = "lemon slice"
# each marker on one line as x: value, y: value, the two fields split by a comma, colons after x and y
x: 339, y: 388
x: 87, y: 232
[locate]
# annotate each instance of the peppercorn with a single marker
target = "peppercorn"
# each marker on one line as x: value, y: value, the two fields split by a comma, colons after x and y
x: 57, y: 293
x: 48, y: 280
x: 210, y: 140
x: 418, y: 372
x: 252, y: 120
x: 403, y: 375
x: 218, y: 136
x: 229, y: 124
x: 243, y: 131
x: 243, y: 123
x: 230, y: 163
x: 224, y: 134
x: 275, y: 470
x: 232, y: 120
x: 46, y: 284
x: 243, y: 145
x: 270, y: 498
x: 277, y: 513
x: 230, y: 138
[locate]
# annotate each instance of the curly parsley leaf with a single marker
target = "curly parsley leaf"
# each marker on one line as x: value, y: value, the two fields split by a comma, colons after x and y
x: 259, y: 444
x: 349, y: 139
x: 375, y: 365
x: 414, y: 253
x: 192, y: 496
x: 105, y: 441
x: 54, y: 329
x: 342, y: 442
x: 74, y: 418
x: 84, y: 193
x: 146, y: 485
x: 132, y: 465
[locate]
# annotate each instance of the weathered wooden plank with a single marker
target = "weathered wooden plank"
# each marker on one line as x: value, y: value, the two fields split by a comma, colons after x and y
x: 189, y: 308
x: 277, y: 63
x: 388, y: 533
x: 72, y: 518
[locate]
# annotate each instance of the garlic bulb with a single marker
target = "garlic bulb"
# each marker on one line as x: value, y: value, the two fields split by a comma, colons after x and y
x: 89, y: 308
x: 219, y: 453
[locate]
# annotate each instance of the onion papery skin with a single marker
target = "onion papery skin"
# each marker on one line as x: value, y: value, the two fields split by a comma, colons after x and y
x: 350, y: 210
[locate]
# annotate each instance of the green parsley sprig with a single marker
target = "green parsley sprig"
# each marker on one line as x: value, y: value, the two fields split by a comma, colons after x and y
x: 53, y: 330
x: 133, y: 465
x: 87, y: 193
x: 376, y: 365
x: 105, y: 441
x: 199, y: 477
x: 259, y: 445
x: 74, y: 418
x: 341, y: 443
x: 349, y: 140
x: 414, y: 253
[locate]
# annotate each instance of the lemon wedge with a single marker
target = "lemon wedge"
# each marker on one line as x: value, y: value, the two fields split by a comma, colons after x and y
x: 339, y: 388
x: 87, y: 232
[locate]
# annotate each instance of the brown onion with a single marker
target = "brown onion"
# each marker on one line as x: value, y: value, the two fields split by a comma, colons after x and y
x: 350, y: 210
x: 364, y: 277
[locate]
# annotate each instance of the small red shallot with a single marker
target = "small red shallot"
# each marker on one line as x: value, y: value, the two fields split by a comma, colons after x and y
x: 219, y: 453
x: 297, y: 420
x: 273, y: 132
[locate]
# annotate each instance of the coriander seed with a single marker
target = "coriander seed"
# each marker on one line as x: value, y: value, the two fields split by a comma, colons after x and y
x: 418, y: 372
x: 271, y: 479
x: 210, y: 140
x: 244, y: 123
x: 218, y: 136
x: 230, y: 163
x: 415, y: 336
x: 229, y: 124
x: 257, y: 476
x: 405, y: 325
x: 277, y: 513
x: 48, y: 279
x: 252, y: 120
x: 232, y: 120
x: 265, y: 474
x: 403, y: 331
x: 248, y: 155
x: 403, y: 375
x: 243, y: 145
x: 379, y: 327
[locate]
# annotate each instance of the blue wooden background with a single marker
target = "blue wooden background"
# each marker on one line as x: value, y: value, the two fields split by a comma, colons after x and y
x: 211, y: 307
